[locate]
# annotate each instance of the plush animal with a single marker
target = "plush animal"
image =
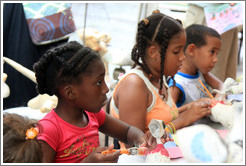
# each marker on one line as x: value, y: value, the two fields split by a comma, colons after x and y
x: 230, y: 86
x: 223, y: 113
x: 42, y: 102
x: 222, y: 110
x: 200, y: 143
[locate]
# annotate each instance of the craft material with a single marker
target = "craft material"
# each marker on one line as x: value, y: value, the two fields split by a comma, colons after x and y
x: 129, y: 151
x: 203, y: 91
x: 159, y: 154
x: 211, y: 96
x: 201, y: 144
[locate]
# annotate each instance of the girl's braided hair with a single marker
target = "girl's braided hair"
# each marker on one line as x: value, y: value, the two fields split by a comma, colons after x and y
x: 62, y: 65
x: 157, y: 28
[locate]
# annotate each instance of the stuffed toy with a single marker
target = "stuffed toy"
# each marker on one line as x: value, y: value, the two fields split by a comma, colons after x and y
x: 6, y: 90
x: 200, y: 143
x: 230, y: 86
x: 42, y: 102
x: 222, y: 110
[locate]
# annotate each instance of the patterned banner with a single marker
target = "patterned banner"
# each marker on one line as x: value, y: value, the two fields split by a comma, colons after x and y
x: 48, y: 26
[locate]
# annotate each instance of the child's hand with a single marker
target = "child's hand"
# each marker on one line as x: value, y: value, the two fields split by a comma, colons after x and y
x: 205, y: 99
x: 97, y: 157
x: 196, y: 111
x: 150, y: 141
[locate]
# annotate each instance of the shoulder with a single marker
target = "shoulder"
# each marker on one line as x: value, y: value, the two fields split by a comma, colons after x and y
x: 97, y: 117
x: 49, y: 123
x: 133, y: 81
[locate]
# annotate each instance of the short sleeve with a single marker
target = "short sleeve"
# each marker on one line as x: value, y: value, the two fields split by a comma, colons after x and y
x: 48, y: 132
x: 101, y: 115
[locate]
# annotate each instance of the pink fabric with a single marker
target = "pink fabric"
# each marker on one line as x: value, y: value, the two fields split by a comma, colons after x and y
x: 72, y: 144
x: 175, y: 152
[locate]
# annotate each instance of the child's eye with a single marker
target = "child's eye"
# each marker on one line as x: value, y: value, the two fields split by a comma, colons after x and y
x: 213, y: 51
x: 176, y: 52
x: 99, y: 83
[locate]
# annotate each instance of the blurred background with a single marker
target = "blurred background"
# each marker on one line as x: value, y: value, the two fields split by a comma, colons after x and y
x: 109, y: 28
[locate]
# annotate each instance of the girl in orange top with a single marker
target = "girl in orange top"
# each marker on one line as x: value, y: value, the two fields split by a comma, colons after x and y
x: 143, y: 94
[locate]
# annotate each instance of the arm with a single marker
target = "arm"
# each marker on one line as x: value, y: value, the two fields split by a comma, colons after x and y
x: 132, y: 98
x: 176, y: 94
x: 192, y: 112
x: 48, y: 152
x: 130, y: 134
x: 122, y: 131
x: 213, y: 81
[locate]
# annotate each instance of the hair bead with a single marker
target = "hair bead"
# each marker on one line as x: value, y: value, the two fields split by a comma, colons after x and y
x: 146, y: 21
x: 156, y: 11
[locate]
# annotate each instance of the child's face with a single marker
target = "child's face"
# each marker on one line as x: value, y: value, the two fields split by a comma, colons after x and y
x: 205, y: 57
x: 174, y: 54
x: 92, y: 90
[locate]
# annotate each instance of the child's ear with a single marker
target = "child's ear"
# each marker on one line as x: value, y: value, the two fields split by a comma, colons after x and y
x: 153, y: 52
x: 191, y: 49
x: 68, y: 92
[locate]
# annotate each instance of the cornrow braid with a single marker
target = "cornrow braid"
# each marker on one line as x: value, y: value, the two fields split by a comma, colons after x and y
x: 62, y: 65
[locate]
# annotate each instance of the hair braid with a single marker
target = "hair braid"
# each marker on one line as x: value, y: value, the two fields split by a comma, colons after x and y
x: 163, y: 52
x: 62, y: 65
x: 138, y: 51
x: 155, y: 29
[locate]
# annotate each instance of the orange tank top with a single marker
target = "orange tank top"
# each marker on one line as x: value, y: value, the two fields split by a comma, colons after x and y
x: 158, y: 109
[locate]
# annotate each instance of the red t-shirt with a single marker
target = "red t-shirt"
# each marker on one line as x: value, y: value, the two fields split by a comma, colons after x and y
x: 71, y: 143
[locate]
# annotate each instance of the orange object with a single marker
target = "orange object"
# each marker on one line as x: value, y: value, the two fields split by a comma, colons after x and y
x: 108, y: 151
x: 203, y: 91
x: 142, y: 151
x: 122, y: 151
x: 31, y: 133
x: 211, y: 96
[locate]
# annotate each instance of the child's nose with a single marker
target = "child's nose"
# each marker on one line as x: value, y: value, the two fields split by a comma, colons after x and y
x: 215, y: 59
x: 105, y: 89
x: 182, y: 56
